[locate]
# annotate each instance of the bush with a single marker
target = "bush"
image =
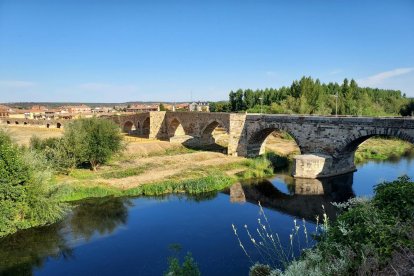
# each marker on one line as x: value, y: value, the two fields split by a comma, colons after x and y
x: 25, y: 197
x: 396, y: 198
x: 56, y: 151
x: 93, y: 140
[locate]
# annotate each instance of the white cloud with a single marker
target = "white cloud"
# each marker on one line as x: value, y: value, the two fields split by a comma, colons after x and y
x: 335, y: 71
x: 16, y: 84
x: 383, y: 76
x: 108, y: 88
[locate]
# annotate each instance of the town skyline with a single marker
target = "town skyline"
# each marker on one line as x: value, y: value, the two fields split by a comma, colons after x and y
x: 178, y: 52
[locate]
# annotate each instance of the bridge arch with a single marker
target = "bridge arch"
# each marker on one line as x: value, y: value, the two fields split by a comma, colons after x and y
x: 145, y: 127
x: 257, y: 141
x: 351, y: 143
x: 175, y: 128
x: 215, y: 133
x: 128, y: 127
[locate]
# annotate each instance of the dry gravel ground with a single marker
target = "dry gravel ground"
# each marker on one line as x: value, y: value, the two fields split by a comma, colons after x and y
x: 163, y: 167
x: 22, y: 134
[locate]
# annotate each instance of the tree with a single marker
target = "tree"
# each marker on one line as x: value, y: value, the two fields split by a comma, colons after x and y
x: 25, y: 197
x: 162, y: 107
x: 93, y: 140
x: 408, y: 109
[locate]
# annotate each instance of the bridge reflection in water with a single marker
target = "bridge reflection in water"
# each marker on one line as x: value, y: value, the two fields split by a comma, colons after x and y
x: 304, y: 199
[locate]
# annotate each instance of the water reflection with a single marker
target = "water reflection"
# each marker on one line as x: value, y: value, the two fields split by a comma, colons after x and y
x: 101, y: 216
x: 22, y: 252
x: 305, y: 198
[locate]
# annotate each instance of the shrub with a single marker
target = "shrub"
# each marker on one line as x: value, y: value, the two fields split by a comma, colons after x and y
x: 56, y: 151
x: 396, y: 198
x: 25, y: 197
x: 93, y: 140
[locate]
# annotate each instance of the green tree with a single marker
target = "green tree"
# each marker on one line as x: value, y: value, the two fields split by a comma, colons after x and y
x: 408, y: 109
x: 93, y: 140
x: 26, y: 199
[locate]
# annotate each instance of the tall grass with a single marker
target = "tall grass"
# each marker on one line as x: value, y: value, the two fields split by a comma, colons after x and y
x: 273, y: 254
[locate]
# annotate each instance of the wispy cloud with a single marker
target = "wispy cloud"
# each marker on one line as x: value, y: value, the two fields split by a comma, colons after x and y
x: 335, y: 71
x: 383, y: 76
x: 108, y: 88
x: 16, y: 84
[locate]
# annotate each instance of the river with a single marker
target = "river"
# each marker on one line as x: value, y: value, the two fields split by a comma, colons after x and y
x: 132, y: 236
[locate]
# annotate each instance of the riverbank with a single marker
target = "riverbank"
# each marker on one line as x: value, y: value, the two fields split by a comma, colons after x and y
x: 382, y: 149
x: 194, y: 179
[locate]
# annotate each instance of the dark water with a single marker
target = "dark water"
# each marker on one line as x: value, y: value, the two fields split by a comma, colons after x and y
x: 131, y: 236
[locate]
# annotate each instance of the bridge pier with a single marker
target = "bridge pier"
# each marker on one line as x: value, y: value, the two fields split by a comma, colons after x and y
x: 322, y: 165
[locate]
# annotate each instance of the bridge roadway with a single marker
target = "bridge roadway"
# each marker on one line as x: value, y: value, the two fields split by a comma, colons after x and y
x: 327, y: 143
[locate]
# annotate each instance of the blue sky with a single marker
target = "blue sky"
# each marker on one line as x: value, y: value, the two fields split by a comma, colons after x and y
x: 116, y: 51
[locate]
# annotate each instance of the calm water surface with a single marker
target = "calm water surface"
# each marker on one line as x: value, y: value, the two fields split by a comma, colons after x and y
x: 131, y: 236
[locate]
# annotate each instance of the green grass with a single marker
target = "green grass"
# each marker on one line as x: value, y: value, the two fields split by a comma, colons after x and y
x: 382, y: 149
x: 214, y: 182
x: 125, y: 172
x: 197, y: 180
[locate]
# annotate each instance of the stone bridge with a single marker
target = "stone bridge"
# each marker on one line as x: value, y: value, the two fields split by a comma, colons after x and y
x: 327, y: 143
x: 33, y: 122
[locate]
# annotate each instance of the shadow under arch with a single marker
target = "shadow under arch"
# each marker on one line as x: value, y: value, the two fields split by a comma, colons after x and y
x: 215, y: 136
x: 146, y: 127
x: 257, y: 141
x: 175, y: 128
x: 128, y: 127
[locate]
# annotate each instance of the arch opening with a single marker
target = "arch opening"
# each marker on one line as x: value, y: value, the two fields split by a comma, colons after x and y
x: 58, y: 125
x: 175, y: 129
x: 16, y: 122
x: 47, y: 125
x: 378, y: 147
x: 128, y: 127
x: 8, y: 122
x: 146, y: 127
x: 215, y: 137
x: 273, y: 140
x: 25, y: 123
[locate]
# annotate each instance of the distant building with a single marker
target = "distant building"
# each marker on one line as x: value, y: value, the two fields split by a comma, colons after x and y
x: 76, y: 109
x: 143, y: 108
x: 4, y: 111
x: 102, y: 109
x: 199, y: 106
x: 181, y: 106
